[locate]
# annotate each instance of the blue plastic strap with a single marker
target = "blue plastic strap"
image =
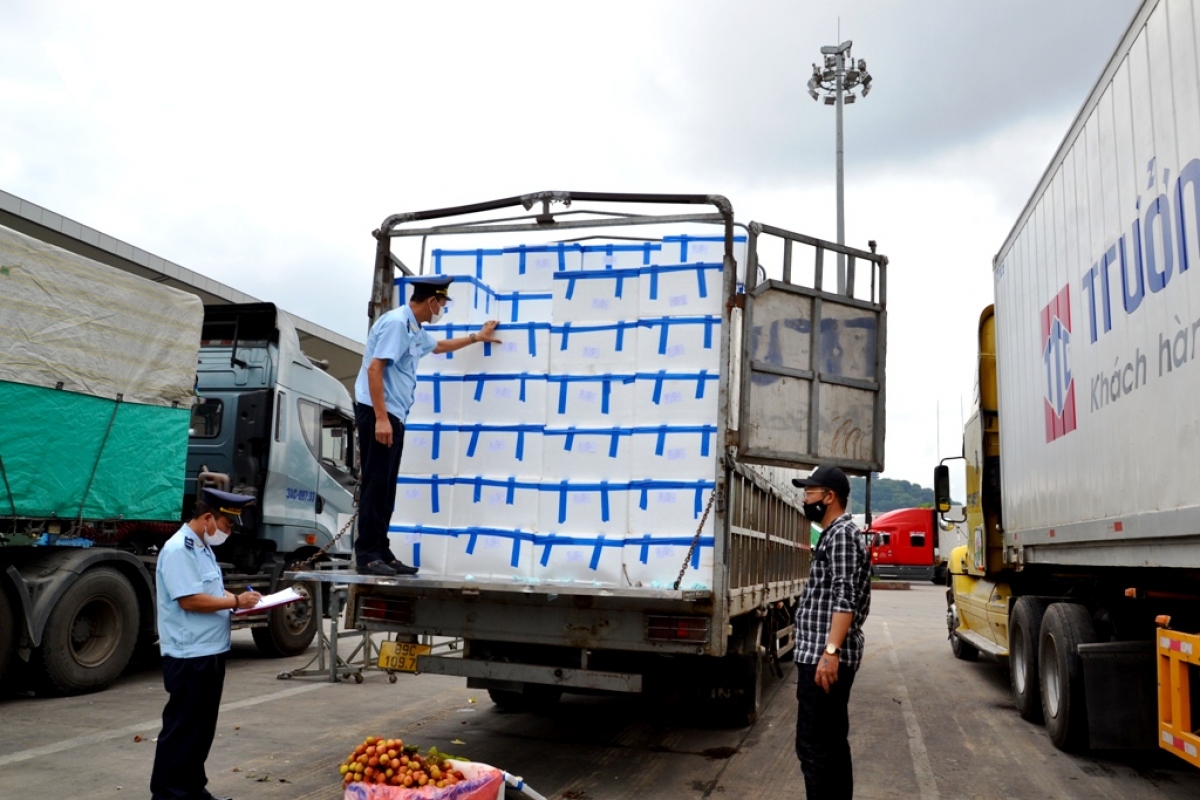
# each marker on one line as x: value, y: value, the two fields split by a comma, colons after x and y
x: 604, y: 502
x: 521, y: 444
x: 562, y: 503
x: 644, y: 550
x: 658, y: 384
x: 653, y: 284
x: 696, y: 558
x: 510, y: 495
x: 570, y: 287
x: 596, y: 550
x: 700, y: 384
x: 566, y: 331
x: 471, y: 540
x: 703, y: 287
x: 562, y: 396
x: 478, y: 389
x: 605, y: 395
x: 612, y: 447
x: 662, y: 338
x: 570, y: 438
x: 434, y: 503
x: 661, y: 442
x: 521, y: 396
x: 478, y: 494
x: 515, y: 561
x: 437, y: 441
x: 474, y: 442
x: 620, y: 337
x: 416, y: 556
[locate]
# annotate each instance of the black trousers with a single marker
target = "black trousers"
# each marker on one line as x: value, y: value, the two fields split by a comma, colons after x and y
x: 189, y: 724
x: 823, y: 734
x: 377, y: 492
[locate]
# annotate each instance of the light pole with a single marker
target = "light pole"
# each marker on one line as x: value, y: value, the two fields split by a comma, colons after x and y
x: 838, y: 80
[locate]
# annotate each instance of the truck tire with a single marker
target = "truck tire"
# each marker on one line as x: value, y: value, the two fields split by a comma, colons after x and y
x: 1065, y: 626
x: 290, y: 629
x: 962, y: 650
x: 533, y: 697
x: 90, y: 634
x: 1024, y: 634
x: 8, y: 626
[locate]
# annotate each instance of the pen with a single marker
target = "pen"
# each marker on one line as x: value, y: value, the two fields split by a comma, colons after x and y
x: 249, y: 588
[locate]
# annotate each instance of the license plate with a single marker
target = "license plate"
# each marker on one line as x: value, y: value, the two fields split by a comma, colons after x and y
x: 401, y: 656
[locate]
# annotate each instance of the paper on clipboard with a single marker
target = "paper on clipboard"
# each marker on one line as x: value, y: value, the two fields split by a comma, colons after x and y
x: 269, y: 601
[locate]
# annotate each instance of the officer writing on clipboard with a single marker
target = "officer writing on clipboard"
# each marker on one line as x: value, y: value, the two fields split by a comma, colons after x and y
x: 384, y: 391
x: 194, y: 636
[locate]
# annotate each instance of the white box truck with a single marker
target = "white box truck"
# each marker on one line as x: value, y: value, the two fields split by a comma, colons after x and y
x: 601, y: 501
x: 1082, y: 565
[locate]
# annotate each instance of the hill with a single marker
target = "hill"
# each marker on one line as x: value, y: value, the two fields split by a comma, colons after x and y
x: 888, y: 494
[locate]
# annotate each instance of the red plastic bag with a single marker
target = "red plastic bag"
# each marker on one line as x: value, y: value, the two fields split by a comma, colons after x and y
x: 481, y: 783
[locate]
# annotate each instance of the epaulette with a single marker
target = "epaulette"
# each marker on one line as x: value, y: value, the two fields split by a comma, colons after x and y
x: 189, y: 543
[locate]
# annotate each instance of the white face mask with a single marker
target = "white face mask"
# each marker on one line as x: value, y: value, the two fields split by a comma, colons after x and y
x: 439, y: 313
x: 217, y: 537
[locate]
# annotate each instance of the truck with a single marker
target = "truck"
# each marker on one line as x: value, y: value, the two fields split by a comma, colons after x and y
x: 1082, y: 561
x: 907, y: 544
x: 122, y: 398
x: 602, y: 503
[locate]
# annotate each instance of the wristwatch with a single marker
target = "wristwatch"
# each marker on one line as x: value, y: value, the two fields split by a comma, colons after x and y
x: 833, y: 651
x: 474, y: 337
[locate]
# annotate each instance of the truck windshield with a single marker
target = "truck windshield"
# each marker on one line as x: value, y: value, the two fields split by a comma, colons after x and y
x: 206, y: 418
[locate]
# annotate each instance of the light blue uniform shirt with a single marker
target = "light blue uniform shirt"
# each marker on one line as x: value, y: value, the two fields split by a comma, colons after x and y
x: 187, y: 566
x: 398, y: 339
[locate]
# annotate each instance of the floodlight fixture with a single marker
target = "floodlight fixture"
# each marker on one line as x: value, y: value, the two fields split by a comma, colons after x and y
x: 836, y: 83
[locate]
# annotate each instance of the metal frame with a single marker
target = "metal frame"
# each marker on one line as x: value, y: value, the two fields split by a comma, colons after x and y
x: 1178, y: 655
x: 876, y: 304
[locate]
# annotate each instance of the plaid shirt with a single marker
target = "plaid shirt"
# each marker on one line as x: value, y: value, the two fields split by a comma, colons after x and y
x: 838, y: 580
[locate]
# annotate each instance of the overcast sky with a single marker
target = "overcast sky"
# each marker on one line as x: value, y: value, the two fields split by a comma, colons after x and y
x: 260, y: 143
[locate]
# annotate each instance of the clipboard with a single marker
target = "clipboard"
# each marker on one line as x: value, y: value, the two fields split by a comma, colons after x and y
x: 269, y: 601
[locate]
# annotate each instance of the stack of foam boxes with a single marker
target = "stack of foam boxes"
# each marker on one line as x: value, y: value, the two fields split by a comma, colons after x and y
x: 581, y: 449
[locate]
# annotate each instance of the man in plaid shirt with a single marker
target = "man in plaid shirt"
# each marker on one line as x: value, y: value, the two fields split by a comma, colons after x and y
x: 829, y: 638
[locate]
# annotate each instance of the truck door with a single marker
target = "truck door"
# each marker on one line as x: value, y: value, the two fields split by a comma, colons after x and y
x: 337, y: 477
x: 291, y: 493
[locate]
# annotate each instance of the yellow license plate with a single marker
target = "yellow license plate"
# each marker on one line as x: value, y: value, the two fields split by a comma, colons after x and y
x: 401, y: 656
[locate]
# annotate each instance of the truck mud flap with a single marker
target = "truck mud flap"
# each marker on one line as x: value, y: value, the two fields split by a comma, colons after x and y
x: 1122, y: 695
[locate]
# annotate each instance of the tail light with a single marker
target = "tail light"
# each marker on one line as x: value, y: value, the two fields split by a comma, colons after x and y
x: 677, y: 629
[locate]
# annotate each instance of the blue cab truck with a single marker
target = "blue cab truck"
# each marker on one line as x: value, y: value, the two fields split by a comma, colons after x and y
x: 119, y: 397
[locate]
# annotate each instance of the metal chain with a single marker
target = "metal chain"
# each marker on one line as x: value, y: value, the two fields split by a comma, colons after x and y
x: 349, y: 523
x: 696, y: 539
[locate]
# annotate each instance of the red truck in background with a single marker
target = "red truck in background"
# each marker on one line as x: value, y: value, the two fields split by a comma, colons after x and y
x: 906, y: 544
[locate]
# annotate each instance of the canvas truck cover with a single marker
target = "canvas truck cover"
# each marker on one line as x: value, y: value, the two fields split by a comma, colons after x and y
x: 97, y: 376
x: 65, y: 319
x: 1098, y: 321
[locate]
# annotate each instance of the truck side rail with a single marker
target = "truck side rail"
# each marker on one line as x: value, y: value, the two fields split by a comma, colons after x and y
x: 769, y: 544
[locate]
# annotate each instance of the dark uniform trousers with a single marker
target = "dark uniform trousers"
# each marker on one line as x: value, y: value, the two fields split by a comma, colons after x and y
x: 823, y: 734
x: 379, y: 467
x: 189, y: 724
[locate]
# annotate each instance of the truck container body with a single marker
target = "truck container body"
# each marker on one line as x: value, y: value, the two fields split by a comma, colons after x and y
x: 1083, y: 523
x: 575, y: 496
x: 121, y: 396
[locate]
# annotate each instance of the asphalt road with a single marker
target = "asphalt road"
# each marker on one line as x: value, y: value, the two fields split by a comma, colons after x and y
x: 923, y: 726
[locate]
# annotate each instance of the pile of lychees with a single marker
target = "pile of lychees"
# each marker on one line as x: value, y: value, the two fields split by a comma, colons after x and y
x: 389, y: 762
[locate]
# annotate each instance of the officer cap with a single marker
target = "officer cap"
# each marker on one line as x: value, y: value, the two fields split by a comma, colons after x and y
x: 427, y: 286
x: 227, y: 503
x: 826, y: 476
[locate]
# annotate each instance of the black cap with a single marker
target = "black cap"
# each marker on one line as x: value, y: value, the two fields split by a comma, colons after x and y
x: 826, y: 476
x: 427, y: 286
x: 227, y: 503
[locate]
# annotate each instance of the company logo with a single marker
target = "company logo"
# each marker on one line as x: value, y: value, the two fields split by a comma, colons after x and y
x: 1059, y: 398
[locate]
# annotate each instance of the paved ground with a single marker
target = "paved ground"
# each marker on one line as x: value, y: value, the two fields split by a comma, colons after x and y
x: 924, y: 726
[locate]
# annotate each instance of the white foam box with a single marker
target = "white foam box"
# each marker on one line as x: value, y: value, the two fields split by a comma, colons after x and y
x: 430, y: 448
x: 596, y: 295
x: 490, y: 553
x: 685, y: 249
x: 620, y: 255
x: 523, y: 347
x: 532, y: 267
x: 590, y: 559
x: 505, y: 398
x: 488, y: 502
x: 419, y: 547
x: 590, y: 401
x: 499, y: 449
x: 594, y: 348
x: 455, y: 363
x: 670, y: 507
x: 667, y: 397
x: 653, y: 561
x: 678, y: 344
x: 437, y: 398
x: 484, y: 264
x: 524, y: 306
x: 682, y: 290
x: 424, y: 500
x: 588, y: 454
x: 580, y: 507
x: 673, y: 452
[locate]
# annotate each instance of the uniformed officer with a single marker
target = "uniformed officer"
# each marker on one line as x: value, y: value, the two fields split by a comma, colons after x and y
x: 193, y: 635
x: 384, y: 393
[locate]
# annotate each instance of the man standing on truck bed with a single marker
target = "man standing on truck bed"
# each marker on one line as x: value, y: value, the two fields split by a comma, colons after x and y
x: 829, y: 638
x: 384, y: 394
x: 193, y: 635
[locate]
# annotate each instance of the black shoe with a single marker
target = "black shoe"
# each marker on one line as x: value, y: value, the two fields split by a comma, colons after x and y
x: 376, y: 568
x: 402, y: 569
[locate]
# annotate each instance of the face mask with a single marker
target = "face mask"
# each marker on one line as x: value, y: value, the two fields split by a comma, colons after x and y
x: 815, y: 512
x: 217, y: 537
x: 439, y: 313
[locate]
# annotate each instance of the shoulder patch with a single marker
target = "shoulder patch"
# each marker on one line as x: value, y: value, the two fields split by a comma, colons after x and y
x: 189, y: 543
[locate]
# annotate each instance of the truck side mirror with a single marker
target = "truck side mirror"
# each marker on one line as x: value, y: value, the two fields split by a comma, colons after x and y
x: 941, y: 488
